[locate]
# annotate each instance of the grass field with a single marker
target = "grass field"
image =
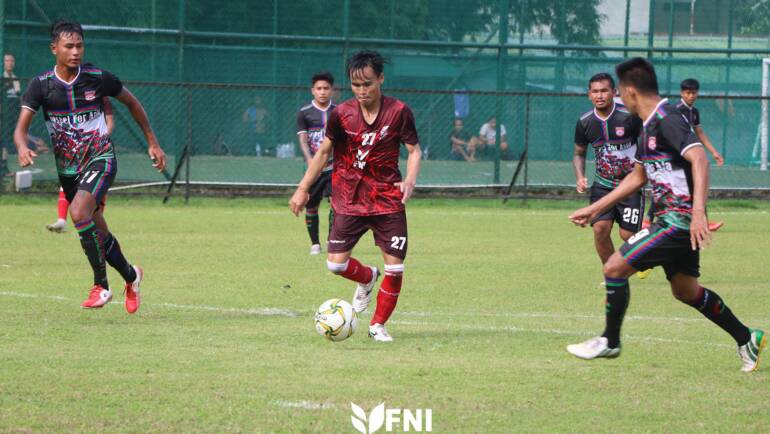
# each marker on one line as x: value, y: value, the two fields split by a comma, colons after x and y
x: 224, y: 341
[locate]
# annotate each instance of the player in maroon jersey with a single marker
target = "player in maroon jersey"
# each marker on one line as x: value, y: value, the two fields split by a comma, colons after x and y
x: 365, y: 134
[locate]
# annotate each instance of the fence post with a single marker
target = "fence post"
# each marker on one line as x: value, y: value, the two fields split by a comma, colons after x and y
x: 526, y: 147
x: 628, y: 23
x: 651, y: 29
x: 501, y: 53
x: 189, y: 145
x: 725, y: 115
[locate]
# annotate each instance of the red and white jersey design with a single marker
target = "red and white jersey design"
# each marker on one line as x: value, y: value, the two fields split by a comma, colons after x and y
x: 366, y: 156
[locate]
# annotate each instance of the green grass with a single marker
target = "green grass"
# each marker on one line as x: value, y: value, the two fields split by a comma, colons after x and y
x: 492, y: 294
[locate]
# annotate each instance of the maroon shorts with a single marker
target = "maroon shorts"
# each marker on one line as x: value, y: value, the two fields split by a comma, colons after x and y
x: 389, y: 232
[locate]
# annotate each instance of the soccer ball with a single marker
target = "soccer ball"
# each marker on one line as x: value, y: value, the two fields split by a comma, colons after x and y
x: 336, y: 320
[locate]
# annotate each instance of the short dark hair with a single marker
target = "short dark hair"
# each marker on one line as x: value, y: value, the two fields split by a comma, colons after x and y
x: 690, y: 84
x: 639, y: 73
x: 62, y: 27
x: 323, y: 76
x: 602, y: 76
x: 364, y: 58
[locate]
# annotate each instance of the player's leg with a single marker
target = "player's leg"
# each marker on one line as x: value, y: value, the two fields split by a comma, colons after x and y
x: 345, y: 233
x: 391, y: 236
x: 92, y: 185
x: 311, y: 212
x: 132, y: 274
x: 602, y: 226
x: 61, y: 221
x: 603, y: 239
x: 646, y: 249
x: 683, y: 276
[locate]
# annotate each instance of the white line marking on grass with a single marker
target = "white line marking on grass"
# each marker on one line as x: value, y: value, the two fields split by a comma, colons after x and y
x: 264, y: 311
x: 549, y: 315
x: 270, y: 311
x: 307, y: 405
x: 5, y: 266
x: 514, y: 329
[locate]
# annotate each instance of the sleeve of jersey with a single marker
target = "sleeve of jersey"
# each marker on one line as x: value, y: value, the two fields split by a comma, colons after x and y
x: 111, y: 84
x: 695, y: 117
x: 408, y: 130
x: 33, y: 96
x: 334, y: 130
x: 580, y: 136
x: 678, y: 134
x: 301, y: 122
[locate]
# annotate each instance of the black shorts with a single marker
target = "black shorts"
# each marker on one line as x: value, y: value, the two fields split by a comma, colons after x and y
x: 662, y: 244
x: 96, y: 179
x: 321, y: 188
x: 389, y: 232
x: 627, y: 213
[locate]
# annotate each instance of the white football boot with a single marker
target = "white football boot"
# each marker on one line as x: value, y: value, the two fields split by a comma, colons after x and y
x: 315, y: 249
x: 593, y: 348
x: 363, y: 295
x: 379, y: 334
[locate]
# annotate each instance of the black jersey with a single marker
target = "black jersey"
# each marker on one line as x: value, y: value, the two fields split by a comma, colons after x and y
x: 690, y: 113
x: 666, y: 137
x: 311, y: 119
x: 74, y: 115
x: 613, y: 140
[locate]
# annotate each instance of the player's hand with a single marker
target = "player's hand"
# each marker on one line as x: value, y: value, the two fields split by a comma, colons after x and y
x: 582, y: 217
x: 582, y: 185
x: 26, y: 157
x: 158, y: 157
x: 406, y: 187
x: 298, y: 201
x: 719, y: 159
x: 700, y: 236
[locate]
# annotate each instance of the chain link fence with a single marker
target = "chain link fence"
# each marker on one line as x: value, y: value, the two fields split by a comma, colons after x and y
x: 246, y: 134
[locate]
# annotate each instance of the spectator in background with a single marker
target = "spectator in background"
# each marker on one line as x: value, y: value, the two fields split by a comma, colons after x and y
x: 12, y: 86
x: 256, y: 117
x: 462, y: 143
x: 487, y: 136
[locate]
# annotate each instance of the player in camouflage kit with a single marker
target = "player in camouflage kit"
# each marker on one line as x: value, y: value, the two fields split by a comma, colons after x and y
x: 672, y: 159
x: 311, y: 130
x: 612, y: 132
x: 71, y: 96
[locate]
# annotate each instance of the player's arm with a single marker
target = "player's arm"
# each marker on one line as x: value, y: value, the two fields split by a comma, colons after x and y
x: 317, y: 163
x: 579, y: 164
x: 140, y: 116
x: 412, y: 170
x: 707, y: 143
x: 304, y: 146
x: 302, y: 136
x: 630, y: 184
x: 699, y: 228
x: 109, y: 116
x: 20, y: 134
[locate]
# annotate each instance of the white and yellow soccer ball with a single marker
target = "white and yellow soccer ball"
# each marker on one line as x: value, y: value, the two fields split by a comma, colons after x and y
x: 336, y: 320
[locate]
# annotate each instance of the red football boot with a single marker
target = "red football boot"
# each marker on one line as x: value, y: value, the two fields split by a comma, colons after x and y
x: 97, y: 298
x: 133, y: 298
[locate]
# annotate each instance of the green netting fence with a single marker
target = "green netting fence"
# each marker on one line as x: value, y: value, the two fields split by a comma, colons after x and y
x: 227, y: 79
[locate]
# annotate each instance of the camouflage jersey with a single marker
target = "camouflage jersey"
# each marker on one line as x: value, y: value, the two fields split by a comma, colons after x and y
x: 613, y: 140
x: 74, y: 115
x: 666, y: 137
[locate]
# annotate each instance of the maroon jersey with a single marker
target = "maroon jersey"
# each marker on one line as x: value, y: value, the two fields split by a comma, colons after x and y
x: 366, y: 157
